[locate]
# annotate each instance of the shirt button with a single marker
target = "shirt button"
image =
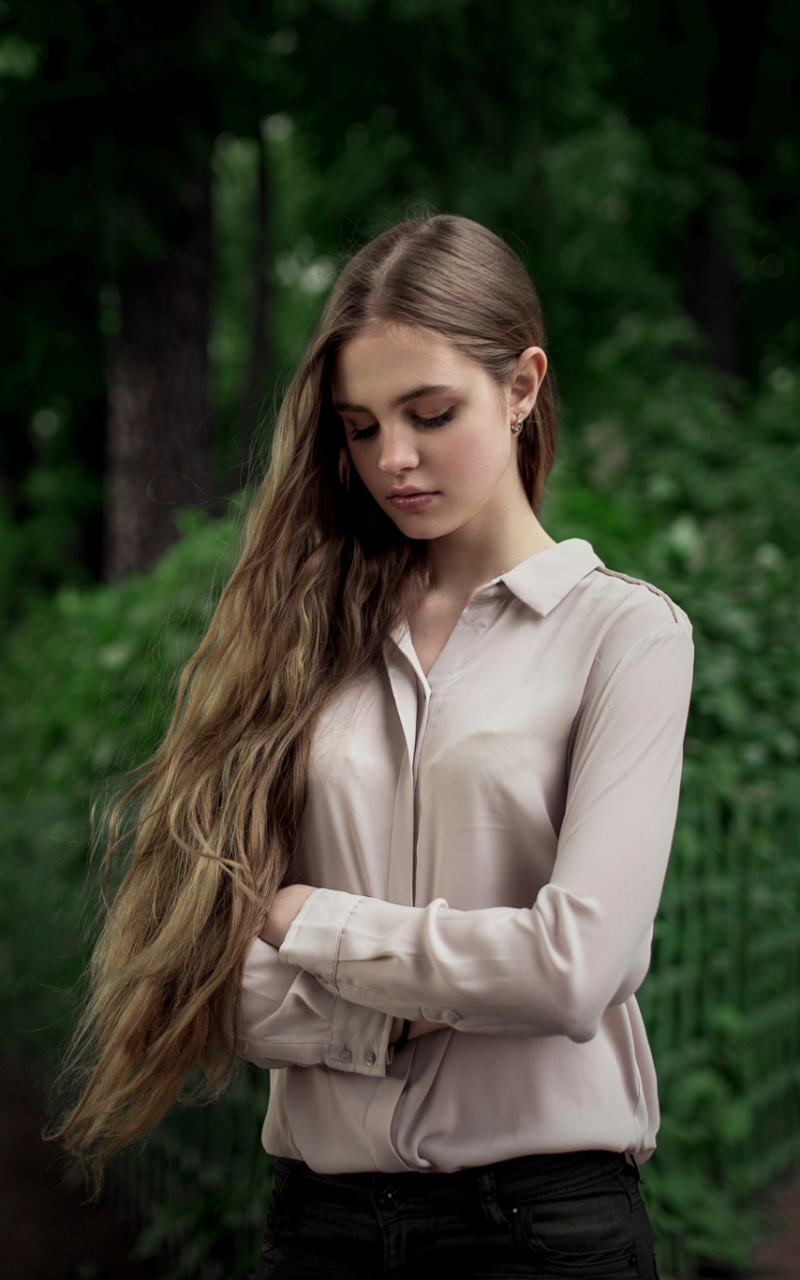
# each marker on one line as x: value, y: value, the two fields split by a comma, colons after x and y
x: 371, y: 1059
x: 345, y: 1056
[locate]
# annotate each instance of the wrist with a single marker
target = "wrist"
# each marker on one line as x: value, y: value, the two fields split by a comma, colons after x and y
x: 285, y: 908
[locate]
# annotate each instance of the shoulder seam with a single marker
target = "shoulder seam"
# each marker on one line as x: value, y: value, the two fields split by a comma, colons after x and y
x: 639, y: 582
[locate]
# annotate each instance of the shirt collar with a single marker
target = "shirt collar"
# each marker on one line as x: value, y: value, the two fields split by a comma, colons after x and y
x: 546, y: 578
x: 541, y: 582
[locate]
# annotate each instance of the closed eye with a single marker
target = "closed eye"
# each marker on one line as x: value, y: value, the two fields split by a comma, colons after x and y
x: 438, y: 420
x: 361, y: 433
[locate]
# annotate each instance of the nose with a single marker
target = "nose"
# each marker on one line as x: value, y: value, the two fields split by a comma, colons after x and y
x: 398, y: 451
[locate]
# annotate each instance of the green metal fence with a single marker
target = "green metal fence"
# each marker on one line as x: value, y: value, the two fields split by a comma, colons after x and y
x: 722, y: 1008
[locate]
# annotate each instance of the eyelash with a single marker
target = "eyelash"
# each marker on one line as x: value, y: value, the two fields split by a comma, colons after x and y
x: 429, y: 424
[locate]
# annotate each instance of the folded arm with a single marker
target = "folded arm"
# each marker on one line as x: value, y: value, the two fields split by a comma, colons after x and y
x: 553, y: 968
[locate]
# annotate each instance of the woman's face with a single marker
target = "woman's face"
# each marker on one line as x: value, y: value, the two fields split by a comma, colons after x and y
x: 429, y: 432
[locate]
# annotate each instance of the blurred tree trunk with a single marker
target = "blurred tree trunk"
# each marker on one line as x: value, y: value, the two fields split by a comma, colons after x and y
x: 714, y: 295
x: 160, y: 431
x: 260, y: 356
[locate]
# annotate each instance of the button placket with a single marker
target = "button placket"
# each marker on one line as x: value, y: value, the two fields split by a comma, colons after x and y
x: 404, y: 685
x: 422, y: 724
x: 476, y: 619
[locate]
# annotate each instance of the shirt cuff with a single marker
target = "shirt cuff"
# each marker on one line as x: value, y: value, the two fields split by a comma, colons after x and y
x: 287, y: 1018
x: 315, y: 935
x: 359, y: 1040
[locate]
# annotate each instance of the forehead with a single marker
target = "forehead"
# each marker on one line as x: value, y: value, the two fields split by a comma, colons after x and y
x: 385, y: 361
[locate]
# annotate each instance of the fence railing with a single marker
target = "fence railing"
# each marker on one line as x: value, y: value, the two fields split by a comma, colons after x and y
x: 722, y: 1008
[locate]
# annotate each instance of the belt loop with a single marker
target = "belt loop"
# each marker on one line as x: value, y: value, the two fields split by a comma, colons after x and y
x: 487, y: 1190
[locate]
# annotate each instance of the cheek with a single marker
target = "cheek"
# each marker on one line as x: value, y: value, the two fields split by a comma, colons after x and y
x: 477, y: 459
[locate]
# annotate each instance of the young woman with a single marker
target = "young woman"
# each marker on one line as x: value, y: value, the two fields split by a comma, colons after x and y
x: 405, y: 839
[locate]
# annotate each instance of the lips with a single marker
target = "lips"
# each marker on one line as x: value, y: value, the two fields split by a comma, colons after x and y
x: 411, y: 499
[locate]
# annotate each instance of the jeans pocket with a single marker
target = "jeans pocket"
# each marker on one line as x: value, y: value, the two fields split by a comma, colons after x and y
x: 283, y: 1170
x: 588, y: 1233
x: 277, y: 1204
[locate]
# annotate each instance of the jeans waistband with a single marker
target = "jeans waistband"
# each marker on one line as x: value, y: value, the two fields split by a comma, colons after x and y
x: 547, y: 1170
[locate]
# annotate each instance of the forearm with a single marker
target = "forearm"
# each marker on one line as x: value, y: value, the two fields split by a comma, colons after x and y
x: 549, y: 970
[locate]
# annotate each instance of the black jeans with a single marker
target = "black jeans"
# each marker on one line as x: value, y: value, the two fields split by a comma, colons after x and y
x: 554, y: 1217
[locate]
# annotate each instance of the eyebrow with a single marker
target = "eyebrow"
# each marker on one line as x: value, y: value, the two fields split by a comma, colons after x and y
x: 428, y: 390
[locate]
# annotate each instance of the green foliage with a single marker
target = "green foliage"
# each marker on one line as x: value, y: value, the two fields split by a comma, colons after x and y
x: 204, y: 1183
x: 86, y: 690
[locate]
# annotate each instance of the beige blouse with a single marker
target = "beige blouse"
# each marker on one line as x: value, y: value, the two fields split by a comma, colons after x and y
x: 490, y: 844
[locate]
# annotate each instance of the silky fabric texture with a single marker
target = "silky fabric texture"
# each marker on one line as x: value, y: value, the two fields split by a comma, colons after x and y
x: 552, y: 1217
x: 490, y: 844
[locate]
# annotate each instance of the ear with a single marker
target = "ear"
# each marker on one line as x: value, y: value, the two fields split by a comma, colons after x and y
x: 531, y: 368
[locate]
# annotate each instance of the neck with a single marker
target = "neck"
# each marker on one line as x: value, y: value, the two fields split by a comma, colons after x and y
x: 492, y: 543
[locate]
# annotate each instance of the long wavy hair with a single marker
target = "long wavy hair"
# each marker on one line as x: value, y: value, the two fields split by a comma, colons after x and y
x: 211, y: 823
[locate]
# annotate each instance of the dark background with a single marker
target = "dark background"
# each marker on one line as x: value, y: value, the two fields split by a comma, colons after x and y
x: 175, y: 175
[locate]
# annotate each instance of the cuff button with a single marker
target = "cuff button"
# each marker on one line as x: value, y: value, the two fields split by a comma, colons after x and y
x: 345, y: 1056
x: 371, y: 1059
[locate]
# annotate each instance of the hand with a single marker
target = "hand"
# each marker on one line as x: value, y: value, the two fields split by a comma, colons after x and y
x: 285, y: 906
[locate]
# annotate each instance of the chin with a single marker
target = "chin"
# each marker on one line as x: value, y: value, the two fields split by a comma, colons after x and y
x: 413, y: 525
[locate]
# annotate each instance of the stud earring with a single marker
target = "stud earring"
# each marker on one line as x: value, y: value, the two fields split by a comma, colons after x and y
x: 519, y: 425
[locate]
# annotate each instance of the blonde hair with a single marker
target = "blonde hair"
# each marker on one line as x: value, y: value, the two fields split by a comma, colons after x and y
x: 213, y: 819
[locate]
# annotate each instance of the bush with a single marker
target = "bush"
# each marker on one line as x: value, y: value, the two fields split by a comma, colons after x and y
x: 86, y: 690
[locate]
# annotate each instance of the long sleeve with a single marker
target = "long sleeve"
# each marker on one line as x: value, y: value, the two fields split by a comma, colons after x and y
x: 583, y: 945
x: 288, y: 1019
